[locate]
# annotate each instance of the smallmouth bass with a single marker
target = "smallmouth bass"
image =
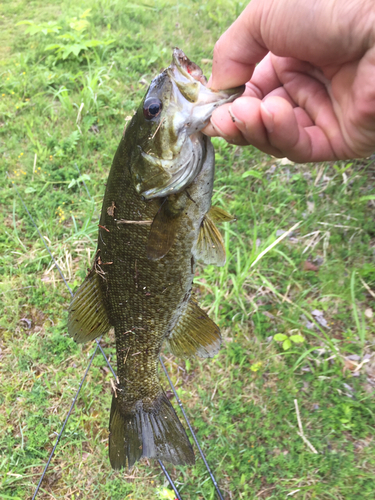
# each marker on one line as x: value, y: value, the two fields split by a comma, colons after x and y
x: 156, y: 222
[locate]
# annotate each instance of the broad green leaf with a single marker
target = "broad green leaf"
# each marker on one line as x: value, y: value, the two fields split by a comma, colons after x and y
x: 287, y: 344
x: 67, y: 36
x: 79, y: 25
x: 53, y: 46
x: 167, y: 494
x: 85, y: 14
x: 297, y: 339
x: 76, y: 49
x: 93, y: 43
x: 280, y: 337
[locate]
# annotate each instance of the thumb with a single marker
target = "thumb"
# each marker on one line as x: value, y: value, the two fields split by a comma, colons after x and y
x: 236, y: 52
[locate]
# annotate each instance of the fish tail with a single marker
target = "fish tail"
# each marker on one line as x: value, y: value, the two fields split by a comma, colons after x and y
x: 155, y: 432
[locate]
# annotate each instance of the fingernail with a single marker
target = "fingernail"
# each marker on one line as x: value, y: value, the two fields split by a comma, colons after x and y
x: 267, y: 116
x: 234, y: 118
x: 217, y: 129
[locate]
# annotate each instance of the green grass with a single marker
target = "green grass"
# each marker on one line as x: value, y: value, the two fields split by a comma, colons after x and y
x: 64, y: 98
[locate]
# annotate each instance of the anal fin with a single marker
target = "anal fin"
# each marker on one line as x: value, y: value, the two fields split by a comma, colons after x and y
x: 87, y: 314
x: 195, y: 334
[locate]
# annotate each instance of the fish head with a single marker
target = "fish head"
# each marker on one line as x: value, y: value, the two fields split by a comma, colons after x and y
x: 170, y: 146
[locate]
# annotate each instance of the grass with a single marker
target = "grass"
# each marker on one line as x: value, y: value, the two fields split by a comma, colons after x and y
x: 69, y: 79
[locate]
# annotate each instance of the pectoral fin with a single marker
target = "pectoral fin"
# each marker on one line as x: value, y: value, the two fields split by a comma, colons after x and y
x: 195, y: 334
x: 87, y: 314
x: 162, y: 233
x: 217, y: 214
x: 164, y: 226
x: 210, y: 245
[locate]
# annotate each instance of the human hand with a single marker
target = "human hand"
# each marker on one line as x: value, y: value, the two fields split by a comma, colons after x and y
x: 312, y: 95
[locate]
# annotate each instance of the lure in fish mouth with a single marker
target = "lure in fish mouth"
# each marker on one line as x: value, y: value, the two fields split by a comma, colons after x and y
x: 177, y: 106
x: 156, y: 223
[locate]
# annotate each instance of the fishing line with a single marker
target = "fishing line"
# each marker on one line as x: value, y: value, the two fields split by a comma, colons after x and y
x: 114, y: 375
x: 87, y: 369
x: 160, y: 462
x: 106, y: 359
x: 188, y: 423
x: 65, y: 422
x: 192, y: 432
x: 169, y: 479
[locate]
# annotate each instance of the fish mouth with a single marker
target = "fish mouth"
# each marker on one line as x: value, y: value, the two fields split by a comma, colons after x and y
x: 191, y: 106
x: 188, y: 68
x: 194, y: 100
x: 192, y: 84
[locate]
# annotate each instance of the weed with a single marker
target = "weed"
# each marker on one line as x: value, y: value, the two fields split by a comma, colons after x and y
x: 300, y: 263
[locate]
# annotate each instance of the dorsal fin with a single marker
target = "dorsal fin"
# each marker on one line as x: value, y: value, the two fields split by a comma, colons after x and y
x: 195, y: 334
x: 87, y: 314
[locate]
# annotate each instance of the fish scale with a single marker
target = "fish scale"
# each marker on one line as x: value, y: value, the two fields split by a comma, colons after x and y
x: 156, y: 223
x: 144, y: 316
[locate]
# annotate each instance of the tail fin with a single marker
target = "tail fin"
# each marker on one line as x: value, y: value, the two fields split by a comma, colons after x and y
x: 155, y: 433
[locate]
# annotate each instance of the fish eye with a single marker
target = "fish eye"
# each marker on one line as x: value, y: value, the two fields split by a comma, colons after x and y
x: 151, y: 107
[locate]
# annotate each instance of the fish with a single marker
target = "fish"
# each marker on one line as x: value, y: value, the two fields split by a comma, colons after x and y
x: 156, y: 223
